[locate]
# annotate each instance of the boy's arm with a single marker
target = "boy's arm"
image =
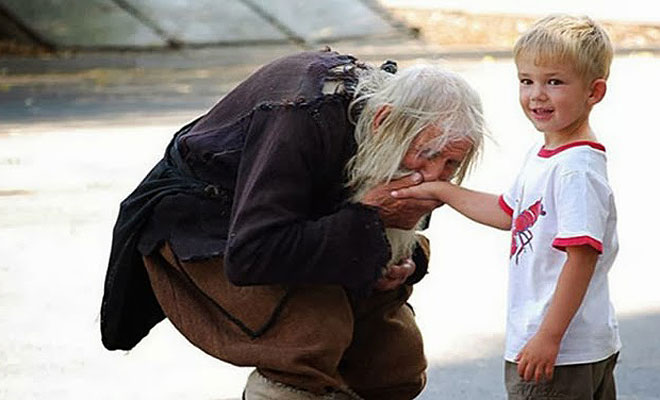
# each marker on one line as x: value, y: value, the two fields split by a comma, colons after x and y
x: 478, y: 206
x: 538, y: 356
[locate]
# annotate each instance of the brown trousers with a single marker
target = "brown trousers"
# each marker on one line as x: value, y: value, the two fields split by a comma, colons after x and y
x: 592, y: 381
x: 312, y: 337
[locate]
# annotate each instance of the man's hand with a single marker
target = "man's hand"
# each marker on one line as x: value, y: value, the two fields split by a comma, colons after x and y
x: 537, y: 358
x: 395, y: 275
x: 399, y: 213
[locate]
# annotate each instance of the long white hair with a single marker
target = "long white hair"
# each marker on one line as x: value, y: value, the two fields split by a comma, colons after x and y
x: 415, y: 98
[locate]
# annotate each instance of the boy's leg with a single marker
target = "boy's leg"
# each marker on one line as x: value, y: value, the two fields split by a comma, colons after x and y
x: 605, y: 388
x: 593, y: 381
x: 302, y: 347
x: 386, y: 359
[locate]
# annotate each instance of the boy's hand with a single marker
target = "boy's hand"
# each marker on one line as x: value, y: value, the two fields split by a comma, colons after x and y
x: 395, y: 275
x: 537, y: 358
x: 423, y: 191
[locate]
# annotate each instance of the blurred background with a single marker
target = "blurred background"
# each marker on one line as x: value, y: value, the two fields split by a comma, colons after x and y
x: 91, y: 92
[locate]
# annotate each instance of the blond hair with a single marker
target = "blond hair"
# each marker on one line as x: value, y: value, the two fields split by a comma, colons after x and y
x: 568, y: 39
x: 416, y: 97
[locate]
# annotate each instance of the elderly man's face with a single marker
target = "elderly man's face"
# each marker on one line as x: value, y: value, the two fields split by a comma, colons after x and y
x: 435, y: 165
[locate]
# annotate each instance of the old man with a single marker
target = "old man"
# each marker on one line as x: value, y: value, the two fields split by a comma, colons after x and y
x: 268, y: 237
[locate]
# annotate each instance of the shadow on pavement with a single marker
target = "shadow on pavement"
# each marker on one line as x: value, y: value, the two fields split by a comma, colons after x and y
x: 637, y: 372
x: 111, y: 94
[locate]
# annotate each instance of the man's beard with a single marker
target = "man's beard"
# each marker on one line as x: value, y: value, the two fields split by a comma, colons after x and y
x: 402, y: 241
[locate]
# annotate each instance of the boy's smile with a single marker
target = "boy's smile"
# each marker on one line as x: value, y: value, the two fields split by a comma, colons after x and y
x: 542, y: 114
x: 556, y: 99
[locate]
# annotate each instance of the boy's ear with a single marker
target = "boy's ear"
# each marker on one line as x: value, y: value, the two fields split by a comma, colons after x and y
x: 597, y: 91
x: 380, y: 116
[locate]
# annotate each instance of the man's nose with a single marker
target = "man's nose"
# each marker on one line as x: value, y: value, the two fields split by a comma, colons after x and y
x: 438, y: 171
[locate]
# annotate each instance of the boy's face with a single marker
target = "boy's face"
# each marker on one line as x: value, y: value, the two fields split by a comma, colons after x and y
x: 554, y: 97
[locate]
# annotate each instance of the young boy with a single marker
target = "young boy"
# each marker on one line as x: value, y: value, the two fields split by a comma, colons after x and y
x: 562, y: 338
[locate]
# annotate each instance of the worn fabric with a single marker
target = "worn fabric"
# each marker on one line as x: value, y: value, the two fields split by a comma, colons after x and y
x: 129, y: 308
x: 591, y: 381
x: 258, y: 387
x: 562, y: 198
x: 258, y: 181
x: 312, y: 337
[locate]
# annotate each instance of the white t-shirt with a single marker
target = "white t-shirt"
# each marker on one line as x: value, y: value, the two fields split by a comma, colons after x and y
x: 561, y: 198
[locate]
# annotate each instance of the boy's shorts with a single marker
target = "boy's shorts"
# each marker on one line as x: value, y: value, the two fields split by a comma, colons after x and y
x: 592, y: 381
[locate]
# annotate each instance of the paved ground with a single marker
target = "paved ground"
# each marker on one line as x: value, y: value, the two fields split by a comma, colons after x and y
x: 73, y: 145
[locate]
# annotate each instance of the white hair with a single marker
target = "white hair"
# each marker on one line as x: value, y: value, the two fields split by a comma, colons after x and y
x: 417, y: 97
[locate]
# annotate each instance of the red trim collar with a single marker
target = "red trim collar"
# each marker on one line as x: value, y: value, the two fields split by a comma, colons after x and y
x: 545, y: 153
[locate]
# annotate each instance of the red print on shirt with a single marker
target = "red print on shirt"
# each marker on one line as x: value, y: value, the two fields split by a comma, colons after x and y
x: 521, y: 233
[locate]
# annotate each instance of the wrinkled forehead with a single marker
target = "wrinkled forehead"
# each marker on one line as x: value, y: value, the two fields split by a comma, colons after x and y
x: 435, y: 139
